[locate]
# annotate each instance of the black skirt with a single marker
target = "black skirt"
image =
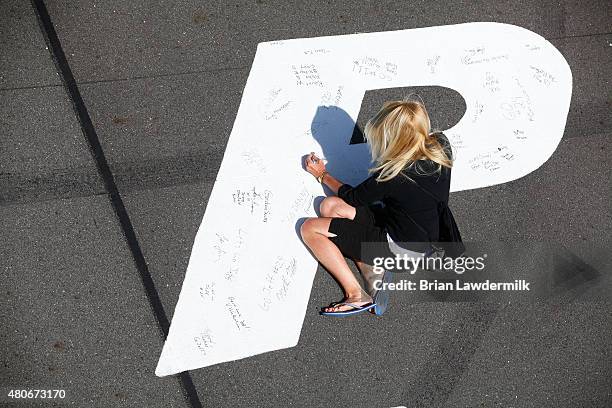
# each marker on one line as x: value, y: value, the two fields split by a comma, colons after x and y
x: 362, y: 238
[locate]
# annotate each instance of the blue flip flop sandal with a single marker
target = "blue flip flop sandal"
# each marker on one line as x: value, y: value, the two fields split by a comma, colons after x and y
x: 355, y: 309
x: 381, y: 297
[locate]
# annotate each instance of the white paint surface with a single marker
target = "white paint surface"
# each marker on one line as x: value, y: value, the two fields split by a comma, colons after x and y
x: 249, y: 276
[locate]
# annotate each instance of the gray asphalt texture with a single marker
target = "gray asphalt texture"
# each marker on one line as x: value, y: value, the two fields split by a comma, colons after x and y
x: 162, y: 82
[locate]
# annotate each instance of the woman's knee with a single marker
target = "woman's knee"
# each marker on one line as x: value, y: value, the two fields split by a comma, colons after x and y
x: 307, y: 228
x: 329, y: 206
x: 315, y: 227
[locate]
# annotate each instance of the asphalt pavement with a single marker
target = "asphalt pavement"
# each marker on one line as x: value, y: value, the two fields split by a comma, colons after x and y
x: 111, y: 135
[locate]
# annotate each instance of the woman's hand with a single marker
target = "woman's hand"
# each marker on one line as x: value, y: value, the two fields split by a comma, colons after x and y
x: 314, y: 165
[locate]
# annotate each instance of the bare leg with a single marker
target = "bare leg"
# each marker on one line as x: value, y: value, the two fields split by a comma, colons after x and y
x: 315, y: 233
x: 369, y: 276
x: 337, y: 208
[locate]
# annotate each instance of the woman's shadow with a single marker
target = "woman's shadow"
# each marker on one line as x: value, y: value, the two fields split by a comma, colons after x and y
x: 335, y: 130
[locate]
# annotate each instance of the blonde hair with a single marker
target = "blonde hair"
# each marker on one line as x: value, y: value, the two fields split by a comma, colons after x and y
x: 399, y: 135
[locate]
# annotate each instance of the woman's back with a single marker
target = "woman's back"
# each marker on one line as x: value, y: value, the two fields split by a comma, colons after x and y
x: 405, y: 203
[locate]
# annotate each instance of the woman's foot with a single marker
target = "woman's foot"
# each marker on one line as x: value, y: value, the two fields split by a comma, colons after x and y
x: 361, y: 299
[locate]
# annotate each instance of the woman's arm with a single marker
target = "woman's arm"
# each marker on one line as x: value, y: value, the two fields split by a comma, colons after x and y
x: 365, y: 193
x: 333, y: 183
x: 316, y: 167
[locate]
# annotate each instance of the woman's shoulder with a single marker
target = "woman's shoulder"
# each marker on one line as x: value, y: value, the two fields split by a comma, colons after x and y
x: 440, y: 136
x: 444, y: 142
x: 426, y: 168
